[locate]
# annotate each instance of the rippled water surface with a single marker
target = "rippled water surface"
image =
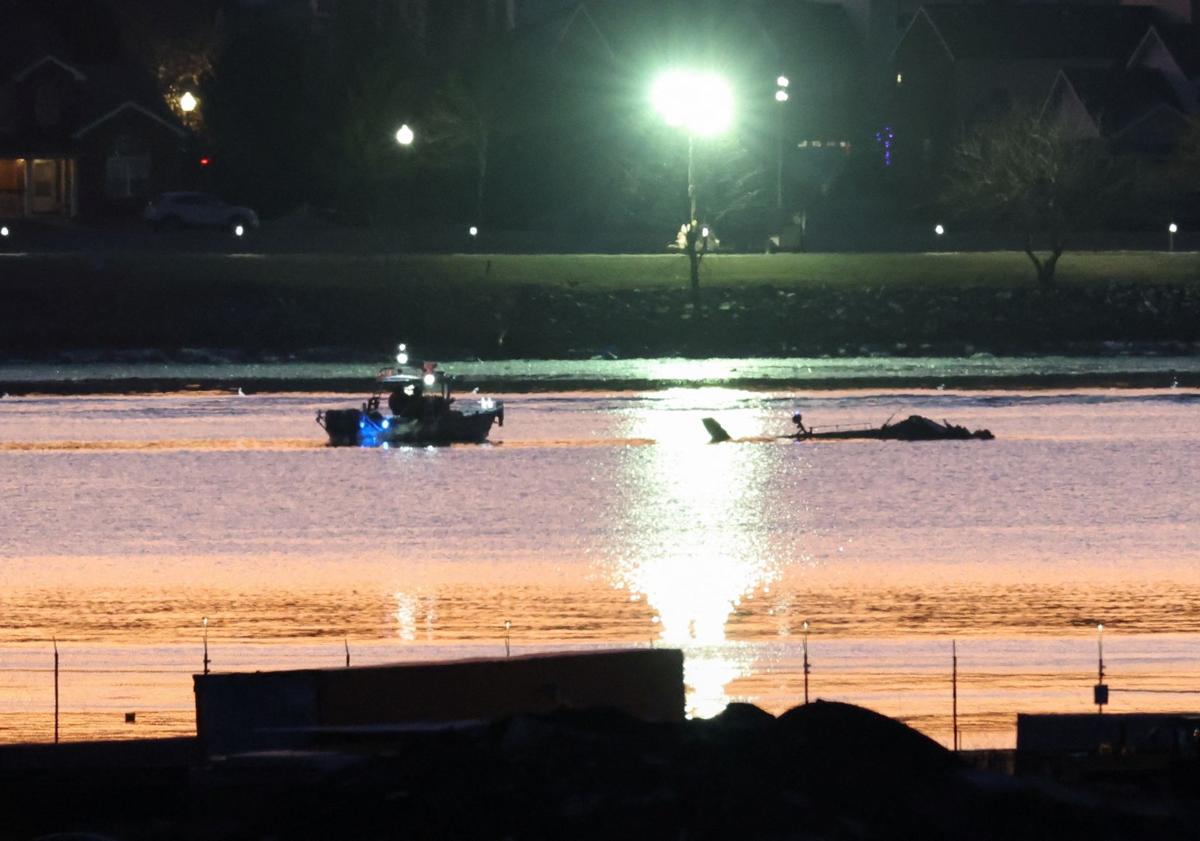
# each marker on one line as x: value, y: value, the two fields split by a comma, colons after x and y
x: 607, y: 519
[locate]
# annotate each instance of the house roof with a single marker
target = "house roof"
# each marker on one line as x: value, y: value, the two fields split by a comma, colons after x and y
x: 1037, y: 31
x: 49, y: 58
x: 1117, y: 99
x: 107, y: 91
x: 131, y: 107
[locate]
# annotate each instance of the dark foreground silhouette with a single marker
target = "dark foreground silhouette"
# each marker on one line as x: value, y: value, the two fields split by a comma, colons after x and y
x: 821, y: 771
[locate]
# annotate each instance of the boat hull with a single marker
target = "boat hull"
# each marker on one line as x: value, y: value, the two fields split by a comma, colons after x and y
x: 356, y: 428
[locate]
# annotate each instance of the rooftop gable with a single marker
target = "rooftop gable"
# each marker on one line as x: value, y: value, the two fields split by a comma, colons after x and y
x: 1118, y: 98
x: 49, y: 60
x: 1038, y: 31
x: 132, y: 107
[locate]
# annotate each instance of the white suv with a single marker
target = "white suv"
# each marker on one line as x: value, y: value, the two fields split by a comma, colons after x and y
x: 197, y: 210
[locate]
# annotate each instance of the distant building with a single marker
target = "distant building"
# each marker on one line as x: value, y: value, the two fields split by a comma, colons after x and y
x: 1105, y: 71
x: 80, y: 140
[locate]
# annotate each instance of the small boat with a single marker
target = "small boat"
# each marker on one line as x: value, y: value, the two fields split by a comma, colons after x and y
x: 419, y: 410
x: 912, y: 428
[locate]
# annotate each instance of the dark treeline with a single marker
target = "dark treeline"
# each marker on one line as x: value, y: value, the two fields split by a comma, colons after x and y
x: 546, y: 125
x: 536, y: 115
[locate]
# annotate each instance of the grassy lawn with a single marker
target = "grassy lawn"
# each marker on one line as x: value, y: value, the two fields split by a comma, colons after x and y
x: 600, y: 272
x: 595, y: 272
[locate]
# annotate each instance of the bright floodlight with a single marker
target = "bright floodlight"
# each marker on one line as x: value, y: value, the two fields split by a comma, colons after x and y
x: 238, y: 230
x: 700, y: 102
x: 473, y: 231
x: 1172, y: 228
x: 404, y: 135
x: 939, y: 230
x: 781, y: 96
x: 782, y: 81
x: 187, y: 102
x: 3, y: 230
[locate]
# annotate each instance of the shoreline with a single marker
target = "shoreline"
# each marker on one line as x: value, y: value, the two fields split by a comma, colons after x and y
x: 151, y: 373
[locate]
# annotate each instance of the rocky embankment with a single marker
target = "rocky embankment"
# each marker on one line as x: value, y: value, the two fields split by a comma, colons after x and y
x: 820, y: 771
x: 461, y: 309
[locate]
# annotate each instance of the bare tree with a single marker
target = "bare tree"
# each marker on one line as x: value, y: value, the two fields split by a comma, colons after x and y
x: 1022, y: 172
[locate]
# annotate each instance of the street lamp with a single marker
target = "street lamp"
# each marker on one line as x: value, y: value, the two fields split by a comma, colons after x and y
x: 701, y: 103
x: 1172, y: 229
x: 781, y: 96
x: 405, y: 135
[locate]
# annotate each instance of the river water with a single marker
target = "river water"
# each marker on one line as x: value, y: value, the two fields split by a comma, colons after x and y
x: 607, y: 519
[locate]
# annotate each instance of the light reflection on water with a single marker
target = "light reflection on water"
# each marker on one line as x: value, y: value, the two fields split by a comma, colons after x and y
x: 606, y: 519
x: 715, y: 555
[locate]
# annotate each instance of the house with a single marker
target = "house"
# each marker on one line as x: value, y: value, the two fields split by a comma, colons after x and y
x: 83, y: 140
x: 957, y: 64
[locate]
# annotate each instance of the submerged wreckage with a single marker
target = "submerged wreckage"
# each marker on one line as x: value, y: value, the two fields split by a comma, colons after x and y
x: 912, y: 428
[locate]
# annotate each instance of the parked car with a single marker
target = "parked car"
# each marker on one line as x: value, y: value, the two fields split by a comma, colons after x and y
x: 197, y: 210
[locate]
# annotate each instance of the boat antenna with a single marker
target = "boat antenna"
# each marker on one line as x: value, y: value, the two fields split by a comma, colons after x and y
x: 889, y: 420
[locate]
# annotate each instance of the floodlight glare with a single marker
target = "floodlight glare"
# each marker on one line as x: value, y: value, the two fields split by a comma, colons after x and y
x: 3, y: 230
x: 781, y: 96
x: 782, y: 81
x: 702, y: 103
x: 187, y: 102
x: 238, y: 230
x: 405, y: 135
x: 1172, y: 228
x: 473, y: 231
x: 939, y: 230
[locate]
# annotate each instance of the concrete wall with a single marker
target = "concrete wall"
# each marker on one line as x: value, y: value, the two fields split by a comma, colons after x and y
x: 238, y: 712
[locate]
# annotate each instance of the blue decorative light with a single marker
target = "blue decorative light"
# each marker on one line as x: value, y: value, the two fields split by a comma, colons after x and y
x: 886, y: 139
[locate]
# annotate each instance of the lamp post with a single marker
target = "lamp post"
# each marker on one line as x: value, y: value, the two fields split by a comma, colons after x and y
x: 1100, y: 691
x: 781, y: 96
x: 1172, y: 229
x: 806, y: 666
x: 702, y: 104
